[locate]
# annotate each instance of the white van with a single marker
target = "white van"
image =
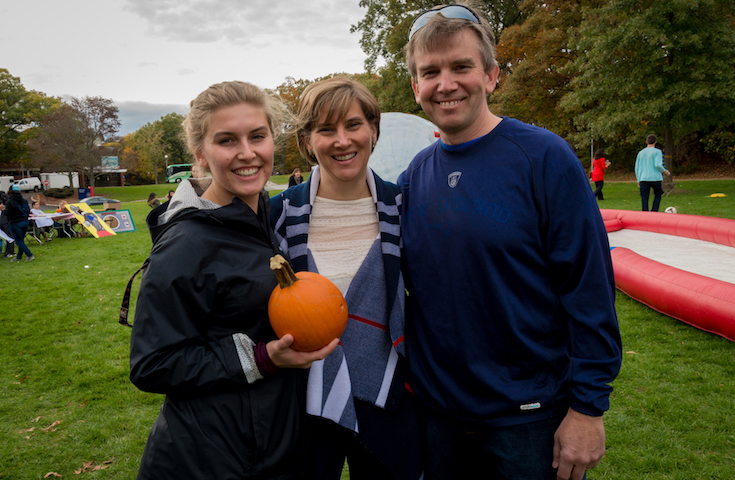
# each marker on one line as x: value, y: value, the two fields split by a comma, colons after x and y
x: 59, y: 180
x: 5, y: 182
x: 28, y: 184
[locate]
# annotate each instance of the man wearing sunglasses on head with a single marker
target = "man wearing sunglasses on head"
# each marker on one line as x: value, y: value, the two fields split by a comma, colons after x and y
x: 512, y: 336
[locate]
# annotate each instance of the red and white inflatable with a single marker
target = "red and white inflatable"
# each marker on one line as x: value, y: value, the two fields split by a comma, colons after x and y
x: 700, y: 301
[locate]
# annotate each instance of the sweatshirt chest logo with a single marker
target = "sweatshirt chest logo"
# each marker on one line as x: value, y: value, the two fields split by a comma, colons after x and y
x: 453, y: 179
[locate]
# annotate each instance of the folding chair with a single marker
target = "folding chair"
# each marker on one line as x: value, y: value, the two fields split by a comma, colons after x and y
x: 34, y: 232
x: 64, y: 229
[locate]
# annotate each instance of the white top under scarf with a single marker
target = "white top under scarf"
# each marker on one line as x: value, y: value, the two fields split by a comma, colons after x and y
x: 341, y: 232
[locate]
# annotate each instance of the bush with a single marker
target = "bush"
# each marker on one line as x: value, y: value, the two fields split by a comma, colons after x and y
x: 721, y: 142
x: 59, y: 192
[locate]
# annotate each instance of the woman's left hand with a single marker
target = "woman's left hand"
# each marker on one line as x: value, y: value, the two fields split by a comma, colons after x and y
x: 283, y: 356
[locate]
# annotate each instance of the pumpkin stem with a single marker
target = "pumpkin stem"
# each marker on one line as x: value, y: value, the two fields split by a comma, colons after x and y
x: 284, y: 272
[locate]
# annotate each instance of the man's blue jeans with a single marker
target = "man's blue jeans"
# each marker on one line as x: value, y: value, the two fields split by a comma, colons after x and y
x: 646, y: 190
x: 459, y: 450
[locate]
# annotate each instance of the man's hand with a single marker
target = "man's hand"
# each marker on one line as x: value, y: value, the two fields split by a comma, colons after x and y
x: 666, y: 172
x: 283, y: 356
x: 579, y: 445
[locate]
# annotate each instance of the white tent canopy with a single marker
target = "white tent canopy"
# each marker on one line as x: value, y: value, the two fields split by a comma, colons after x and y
x: 402, y: 136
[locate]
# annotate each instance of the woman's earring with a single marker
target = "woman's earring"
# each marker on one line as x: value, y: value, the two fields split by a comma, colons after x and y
x: 311, y: 153
x: 373, y: 148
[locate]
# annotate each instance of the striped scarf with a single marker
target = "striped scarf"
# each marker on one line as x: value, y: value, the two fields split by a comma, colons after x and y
x: 364, y: 364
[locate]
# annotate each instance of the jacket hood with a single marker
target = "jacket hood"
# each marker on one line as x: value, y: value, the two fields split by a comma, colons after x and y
x: 188, y: 204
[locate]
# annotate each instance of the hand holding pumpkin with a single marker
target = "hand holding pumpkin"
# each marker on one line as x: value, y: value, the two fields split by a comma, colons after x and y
x: 283, y: 356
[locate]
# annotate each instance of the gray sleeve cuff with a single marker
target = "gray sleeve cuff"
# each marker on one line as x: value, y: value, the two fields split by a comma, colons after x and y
x: 244, y: 346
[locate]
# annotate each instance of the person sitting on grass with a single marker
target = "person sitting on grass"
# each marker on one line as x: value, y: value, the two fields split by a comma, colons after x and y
x: 153, y: 202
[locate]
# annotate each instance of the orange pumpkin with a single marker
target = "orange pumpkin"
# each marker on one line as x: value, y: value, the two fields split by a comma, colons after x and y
x: 307, y: 305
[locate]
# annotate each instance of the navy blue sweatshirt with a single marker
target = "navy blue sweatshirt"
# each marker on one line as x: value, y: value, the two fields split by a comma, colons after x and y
x: 512, y: 315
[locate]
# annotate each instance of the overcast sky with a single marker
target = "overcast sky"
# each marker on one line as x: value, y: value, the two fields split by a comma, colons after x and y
x: 152, y: 57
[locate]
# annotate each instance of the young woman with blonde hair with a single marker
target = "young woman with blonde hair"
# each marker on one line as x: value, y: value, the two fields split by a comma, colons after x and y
x: 201, y: 336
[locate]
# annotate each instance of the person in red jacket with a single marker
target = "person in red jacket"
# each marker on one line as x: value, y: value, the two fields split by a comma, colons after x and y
x: 599, y: 164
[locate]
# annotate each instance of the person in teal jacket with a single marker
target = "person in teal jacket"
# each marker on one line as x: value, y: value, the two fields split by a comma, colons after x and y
x: 649, y: 167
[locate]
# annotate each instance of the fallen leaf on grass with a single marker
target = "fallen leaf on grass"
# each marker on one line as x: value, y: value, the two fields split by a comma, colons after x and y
x: 91, y: 467
x: 51, y: 428
x: 631, y: 352
x: 49, y: 474
x: 36, y: 419
x: 21, y: 380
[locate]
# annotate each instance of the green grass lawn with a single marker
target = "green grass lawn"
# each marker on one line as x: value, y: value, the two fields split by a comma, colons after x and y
x: 689, y: 196
x: 135, y: 192
x: 67, y: 406
x: 141, y: 192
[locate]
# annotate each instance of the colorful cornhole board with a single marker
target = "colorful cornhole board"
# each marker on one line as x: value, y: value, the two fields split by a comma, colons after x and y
x: 90, y: 220
x: 118, y: 220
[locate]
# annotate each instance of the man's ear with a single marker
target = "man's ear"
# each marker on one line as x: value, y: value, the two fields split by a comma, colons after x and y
x: 492, y: 79
x: 415, y: 88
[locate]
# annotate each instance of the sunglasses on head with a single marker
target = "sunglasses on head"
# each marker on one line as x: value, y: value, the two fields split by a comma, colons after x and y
x: 450, y: 11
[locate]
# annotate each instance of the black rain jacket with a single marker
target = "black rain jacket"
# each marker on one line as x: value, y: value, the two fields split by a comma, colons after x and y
x: 208, y: 277
x: 17, y: 208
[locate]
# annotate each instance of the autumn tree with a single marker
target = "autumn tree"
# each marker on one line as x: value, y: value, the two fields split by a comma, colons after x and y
x: 150, y: 149
x: 128, y: 159
x: 534, y: 58
x: 158, y: 143
x: 99, y: 124
x: 172, y: 137
x: 58, y: 143
x: 20, y: 110
x: 287, y: 156
x: 655, y: 66
x: 72, y: 137
x: 384, y: 29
